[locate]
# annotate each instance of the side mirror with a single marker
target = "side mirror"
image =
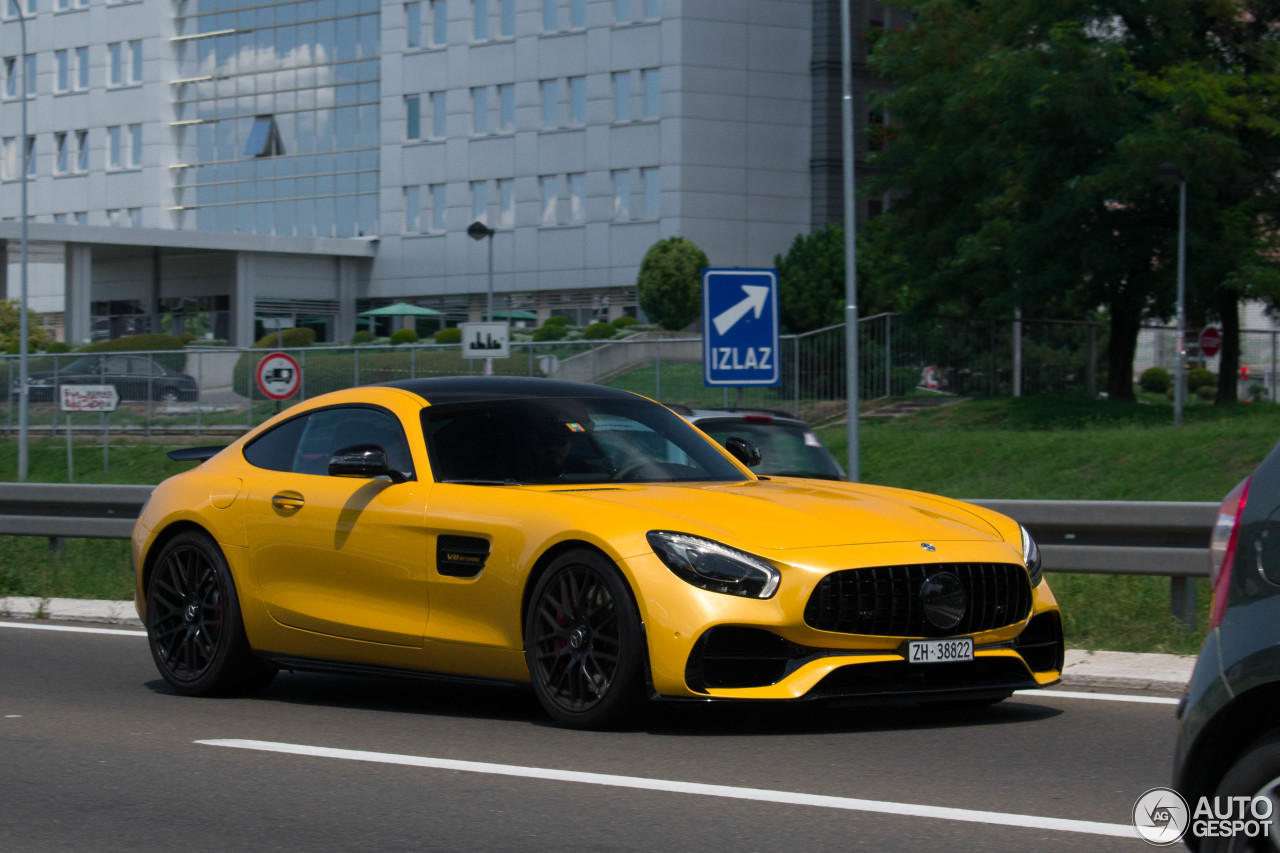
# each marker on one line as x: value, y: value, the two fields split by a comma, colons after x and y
x: 744, y: 451
x: 363, y: 461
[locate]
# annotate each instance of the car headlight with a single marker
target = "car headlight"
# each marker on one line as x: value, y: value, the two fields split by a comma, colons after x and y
x: 709, y: 565
x: 1031, y: 556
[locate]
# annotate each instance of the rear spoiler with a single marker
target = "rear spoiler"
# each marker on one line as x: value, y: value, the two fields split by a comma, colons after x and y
x: 195, y: 454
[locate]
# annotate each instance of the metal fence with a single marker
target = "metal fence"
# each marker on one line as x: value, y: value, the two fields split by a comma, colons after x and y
x: 972, y: 358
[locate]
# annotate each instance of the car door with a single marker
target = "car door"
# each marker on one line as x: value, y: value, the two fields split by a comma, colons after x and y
x: 339, y: 556
x: 115, y: 372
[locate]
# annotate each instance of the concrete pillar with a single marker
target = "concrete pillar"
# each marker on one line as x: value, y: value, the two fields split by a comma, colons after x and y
x: 348, y: 282
x: 242, y: 297
x: 79, y: 288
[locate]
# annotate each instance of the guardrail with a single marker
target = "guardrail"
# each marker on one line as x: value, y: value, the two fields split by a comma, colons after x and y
x: 1161, y: 538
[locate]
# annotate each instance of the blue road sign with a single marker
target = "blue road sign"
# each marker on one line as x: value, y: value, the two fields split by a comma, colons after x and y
x: 740, y: 327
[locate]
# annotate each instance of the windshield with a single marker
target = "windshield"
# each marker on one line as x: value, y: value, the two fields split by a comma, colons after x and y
x: 786, y: 449
x: 568, y: 440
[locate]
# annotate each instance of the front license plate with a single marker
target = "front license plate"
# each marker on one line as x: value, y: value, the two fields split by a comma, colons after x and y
x: 940, y: 651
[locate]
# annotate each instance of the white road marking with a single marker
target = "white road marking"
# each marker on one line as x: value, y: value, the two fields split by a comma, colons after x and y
x: 1118, y: 830
x: 32, y: 626
x: 1101, y: 697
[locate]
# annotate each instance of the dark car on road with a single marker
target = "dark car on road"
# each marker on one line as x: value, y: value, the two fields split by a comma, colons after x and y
x: 135, y: 377
x: 1229, y: 735
x: 788, y: 446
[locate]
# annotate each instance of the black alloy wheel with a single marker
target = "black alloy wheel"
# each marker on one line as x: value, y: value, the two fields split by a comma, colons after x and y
x: 194, y: 627
x: 583, y: 642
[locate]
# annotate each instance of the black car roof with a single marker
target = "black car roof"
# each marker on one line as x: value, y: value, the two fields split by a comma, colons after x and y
x: 473, y: 389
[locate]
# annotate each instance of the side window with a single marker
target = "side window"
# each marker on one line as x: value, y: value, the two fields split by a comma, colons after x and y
x: 274, y: 450
x: 116, y: 365
x: 330, y: 430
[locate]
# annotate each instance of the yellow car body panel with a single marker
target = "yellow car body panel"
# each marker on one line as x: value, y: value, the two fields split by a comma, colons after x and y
x: 341, y: 569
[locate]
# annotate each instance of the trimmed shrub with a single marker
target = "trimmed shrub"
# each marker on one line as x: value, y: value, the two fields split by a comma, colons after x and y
x: 551, y: 332
x: 1207, y: 392
x: 291, y: 338
x: 404, y: 336
x: 598, y: 331
x: 557, y: 320
x: 1155, y: 380
x: 449, y: 336
x: 364, y: 336
x: 1199, y: 377
x: 176, y: 360
x: 624, y: 321
x: 57, y: 347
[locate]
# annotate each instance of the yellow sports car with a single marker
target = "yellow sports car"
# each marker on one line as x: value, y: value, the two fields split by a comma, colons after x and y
x: 586, y: 540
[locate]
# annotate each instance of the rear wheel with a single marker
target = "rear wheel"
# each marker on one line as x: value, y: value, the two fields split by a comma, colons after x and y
x: 583, y: 642
x: 194, y: 626
x: 1256, y: 774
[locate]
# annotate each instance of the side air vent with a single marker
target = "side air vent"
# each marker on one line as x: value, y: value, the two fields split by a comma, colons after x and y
x: 461, y: 556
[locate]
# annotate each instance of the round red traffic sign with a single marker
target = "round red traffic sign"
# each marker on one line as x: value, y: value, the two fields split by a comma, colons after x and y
x: 1210, y: 341
x: 278, y: 376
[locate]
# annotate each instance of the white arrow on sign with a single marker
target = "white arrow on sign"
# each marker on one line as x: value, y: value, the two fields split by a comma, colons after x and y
x: 756, y: 295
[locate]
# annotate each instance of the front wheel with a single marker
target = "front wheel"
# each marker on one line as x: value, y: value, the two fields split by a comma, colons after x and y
x: 194, y: 626
x: 1256, y: 774
x: 583, y: 642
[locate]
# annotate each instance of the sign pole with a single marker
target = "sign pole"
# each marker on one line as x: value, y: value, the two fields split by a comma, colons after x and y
x: 71, y: 476
x: 106, y: 440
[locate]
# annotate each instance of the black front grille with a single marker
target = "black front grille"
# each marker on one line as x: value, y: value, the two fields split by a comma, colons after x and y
x: 885, y: 601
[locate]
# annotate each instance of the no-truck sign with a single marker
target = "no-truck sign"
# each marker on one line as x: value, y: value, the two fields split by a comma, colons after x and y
x: 278, y: 376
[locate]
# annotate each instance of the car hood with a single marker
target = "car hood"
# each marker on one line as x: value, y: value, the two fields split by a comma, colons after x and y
x: 787, y: 514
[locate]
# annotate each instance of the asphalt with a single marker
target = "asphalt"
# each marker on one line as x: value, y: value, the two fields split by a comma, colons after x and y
x: 1097, y: 670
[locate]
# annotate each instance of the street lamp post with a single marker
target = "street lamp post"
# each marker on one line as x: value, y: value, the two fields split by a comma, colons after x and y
x: 1170, y: 171
x: 850, y: 245
x: 23, y: 331
x: 478, y: 231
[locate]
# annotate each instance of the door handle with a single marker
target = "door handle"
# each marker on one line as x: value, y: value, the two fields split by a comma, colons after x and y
x: 288, y: 501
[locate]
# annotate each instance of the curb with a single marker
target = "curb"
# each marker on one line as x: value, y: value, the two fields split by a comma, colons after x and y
x: 1098, y: 670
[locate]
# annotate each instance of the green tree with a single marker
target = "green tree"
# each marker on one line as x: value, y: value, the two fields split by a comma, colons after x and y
x: 811, y: 281
x: 1024, y: 150
x: 10, y: 328
x: 670, y: 282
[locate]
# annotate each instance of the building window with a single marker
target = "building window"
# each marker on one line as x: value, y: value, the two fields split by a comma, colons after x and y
x: 480, y: 110
x: 11, y: 76
x: 652, y: 93
x: 550, y: 104
x: 506, y: 203
x: 577, y: 100
x: 135, y: 145
x: 439, y: 115
x: 578, y: 14
x: 439, y: 22
x: 114, y: 217
x: 480, y: 11
x: 81, y: 217
x: 114, y: 142
x: 622, y: 96
x: 652, y: 9
x: 61, y: 164
x: 550, y: 194
x: 413, y: 24
x: 507, y: 14
x: 31, y: 156
x: 82, y: 68
x: 577, y: 199
x: 60, y: 5
x: 115, y: 66
x: 506, y: 107
x: 437, y: 207
x: 412, y: 118
x: 264, y: 138
x: 480, y: 201
x: 62, y: 59
x: 622, y: 195
x: 60, y: 218
x: 652, y: 192
x: 9, y: 160
x: 31, y: 74
x: 550, y: 15
x: 622, y: 11
x: 135, y: 62
x: 82, y: 150
x: 412, y: 211
x: 133, y: 217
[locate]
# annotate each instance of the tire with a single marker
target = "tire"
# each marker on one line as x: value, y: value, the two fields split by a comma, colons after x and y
x: 194, y: 626
x: 169, y: 395
x: 1255, y: 773
x: 584, y: 644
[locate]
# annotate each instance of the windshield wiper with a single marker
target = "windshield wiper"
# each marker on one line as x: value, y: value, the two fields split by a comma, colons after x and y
x: 463, y: 481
